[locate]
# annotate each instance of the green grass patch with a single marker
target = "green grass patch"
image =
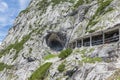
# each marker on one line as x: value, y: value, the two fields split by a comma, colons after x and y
x: 108, y: 10
x: 17, y: 46
x: 91, y: 31
x: 25, y: 11
x: 79, y: 2
x: 3, y: 66
x: 42, y: 5
x: 91, y: 60
x: 41, y: 72
x: 49, y: 56
x: 102, y: 7
x: 91, y: 50
x: 30, y: 50
x: 65, y: 53
x: 6, y: 50
x: 83, y: 51
x: 99, y: 11
x: 55, y: 2
x: 61, y: 67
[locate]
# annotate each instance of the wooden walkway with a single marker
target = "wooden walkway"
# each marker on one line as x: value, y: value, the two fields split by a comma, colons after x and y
x: 97, y: 38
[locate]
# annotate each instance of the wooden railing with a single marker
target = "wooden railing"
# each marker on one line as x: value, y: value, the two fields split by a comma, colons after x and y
x: 97, y: 42
x: 112, y: 39
x: 102, y: 40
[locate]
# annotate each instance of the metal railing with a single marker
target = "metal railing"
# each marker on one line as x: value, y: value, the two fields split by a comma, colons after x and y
x: 79, y: 45
x: 96, y: 42
x: 86, y: 44
x: 112, y: 39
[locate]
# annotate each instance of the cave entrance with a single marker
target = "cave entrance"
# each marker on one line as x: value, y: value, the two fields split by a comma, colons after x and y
x: 56, y: 41
x: 55, y: 45
x: 112, y: 36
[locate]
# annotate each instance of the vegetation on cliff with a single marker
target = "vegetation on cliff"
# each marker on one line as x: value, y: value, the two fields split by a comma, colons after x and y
x: 41, y: 72
x: 65, y: 53
x: 61, y: 67
x: 17, y: 46
x: 100, y: 10
x: 3, y: 66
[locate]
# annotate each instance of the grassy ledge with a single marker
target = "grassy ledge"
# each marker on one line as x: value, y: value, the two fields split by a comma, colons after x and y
x: 79, y: 2
x: 65, y: 53
x: 100, y: 10
x: 17, y: 46
x: 40, y: 73
x: 55, y: 2
x: 91, y: 60
x: 3, y: 66
x: 49, y: 56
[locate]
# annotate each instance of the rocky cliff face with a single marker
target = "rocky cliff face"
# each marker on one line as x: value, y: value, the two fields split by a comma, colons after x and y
x: 32, y: 48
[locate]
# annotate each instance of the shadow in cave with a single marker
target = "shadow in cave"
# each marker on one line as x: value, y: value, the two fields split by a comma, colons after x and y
x: 56, y: 45
x: 56, y: 41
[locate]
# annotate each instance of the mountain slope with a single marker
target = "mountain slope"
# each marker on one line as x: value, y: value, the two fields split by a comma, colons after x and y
x: 31, y: 49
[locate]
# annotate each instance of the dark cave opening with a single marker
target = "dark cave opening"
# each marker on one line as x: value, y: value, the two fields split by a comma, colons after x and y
x: 56, y: 41
x: 55, y: 45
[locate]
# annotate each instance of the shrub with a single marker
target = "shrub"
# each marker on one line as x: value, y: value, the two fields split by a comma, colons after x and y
x: 65, y: 53
x: 61, y: 67
x: 2, y: 66
x: 40, y: 73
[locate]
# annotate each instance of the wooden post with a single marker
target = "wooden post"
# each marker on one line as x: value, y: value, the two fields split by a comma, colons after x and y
x: 82, y: 42
x: 103, y: 37
x: 72, y: 45
x: 119, y: 34
x: 76, y: 43
x: 90, y: 40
